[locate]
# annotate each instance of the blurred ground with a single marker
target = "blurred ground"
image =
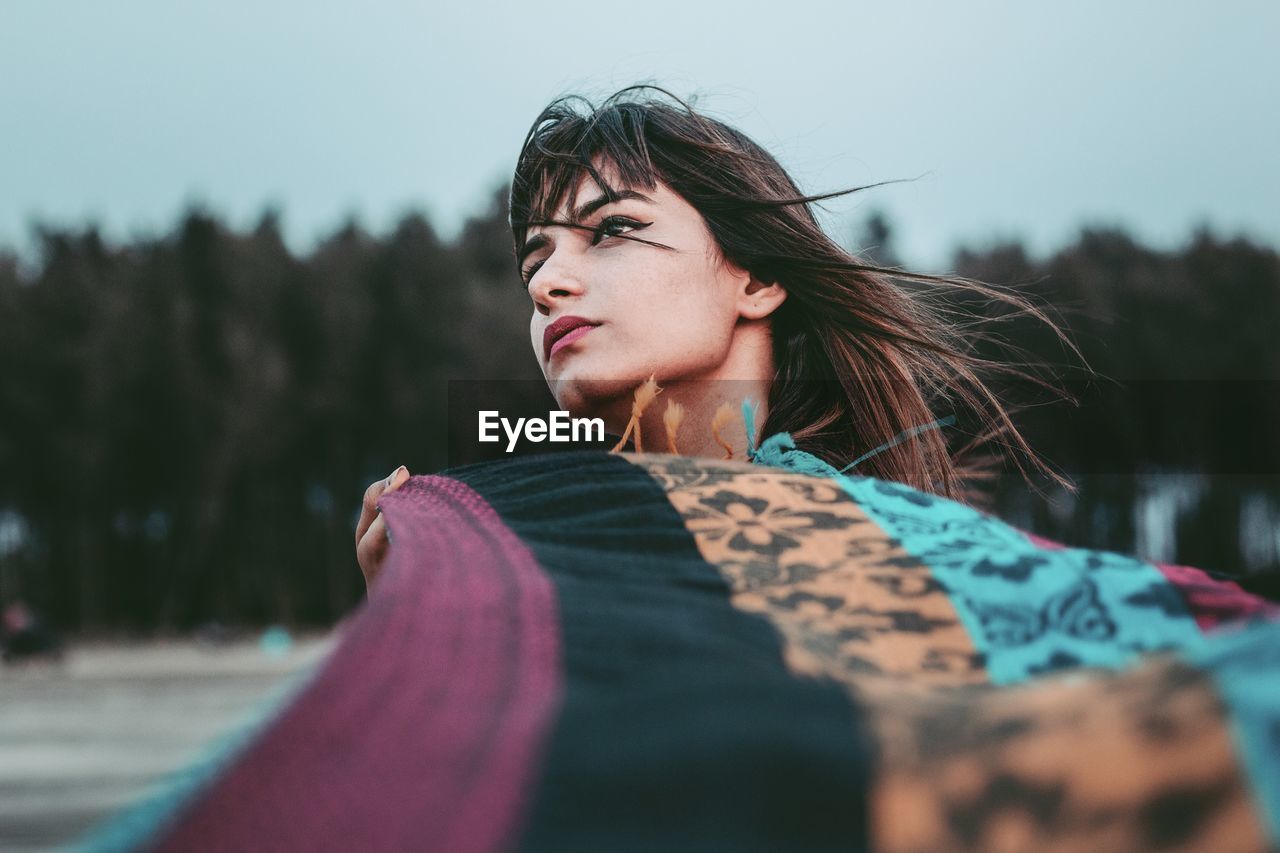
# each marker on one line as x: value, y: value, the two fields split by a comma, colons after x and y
x: 81, y: 738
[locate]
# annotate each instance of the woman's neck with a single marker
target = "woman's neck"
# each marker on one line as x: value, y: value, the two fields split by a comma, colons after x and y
x: 703, y: 429
x: 746, y: 374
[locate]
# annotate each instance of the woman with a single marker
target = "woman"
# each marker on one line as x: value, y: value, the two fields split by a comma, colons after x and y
x: 656, y: 241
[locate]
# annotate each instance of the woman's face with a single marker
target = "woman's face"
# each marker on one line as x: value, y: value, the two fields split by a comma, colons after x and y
x: 670, y: 312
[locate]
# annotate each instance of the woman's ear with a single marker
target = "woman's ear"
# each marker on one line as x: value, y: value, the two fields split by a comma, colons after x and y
x: 758, y: 300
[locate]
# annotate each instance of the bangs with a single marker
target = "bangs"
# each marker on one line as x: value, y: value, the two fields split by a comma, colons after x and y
x: 564, y: 145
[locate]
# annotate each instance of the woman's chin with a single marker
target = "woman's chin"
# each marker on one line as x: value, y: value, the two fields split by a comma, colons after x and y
x: 591, y: 396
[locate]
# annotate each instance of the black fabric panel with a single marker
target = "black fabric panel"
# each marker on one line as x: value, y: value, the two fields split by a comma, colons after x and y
x: 681, y: 728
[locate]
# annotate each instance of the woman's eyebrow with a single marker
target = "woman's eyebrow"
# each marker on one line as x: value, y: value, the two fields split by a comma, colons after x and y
x: 596, y: 203
x: 538, y: 241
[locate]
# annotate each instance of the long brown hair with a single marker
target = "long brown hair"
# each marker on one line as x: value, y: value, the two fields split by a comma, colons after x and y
x: 863, y: 353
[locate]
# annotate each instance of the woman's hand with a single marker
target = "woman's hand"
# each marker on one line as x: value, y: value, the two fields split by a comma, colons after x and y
x: 371, y: 533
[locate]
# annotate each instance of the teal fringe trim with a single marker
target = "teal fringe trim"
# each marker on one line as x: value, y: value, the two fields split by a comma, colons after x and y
x: 779, y: 450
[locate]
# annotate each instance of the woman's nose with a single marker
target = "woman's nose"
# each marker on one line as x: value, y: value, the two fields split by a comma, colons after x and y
x: 554, y: 283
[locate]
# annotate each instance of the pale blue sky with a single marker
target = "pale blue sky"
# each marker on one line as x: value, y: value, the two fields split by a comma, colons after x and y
x: 1023, y: 120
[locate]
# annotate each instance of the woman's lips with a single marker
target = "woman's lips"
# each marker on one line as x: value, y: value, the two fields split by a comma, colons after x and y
x: 567, y: 339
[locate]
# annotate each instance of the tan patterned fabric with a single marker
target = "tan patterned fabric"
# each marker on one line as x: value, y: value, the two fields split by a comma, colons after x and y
x: 848, y: 600
x: 1139, y: 760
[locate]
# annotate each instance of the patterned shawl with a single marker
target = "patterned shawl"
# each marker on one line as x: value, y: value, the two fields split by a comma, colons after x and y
x: 596, y: 652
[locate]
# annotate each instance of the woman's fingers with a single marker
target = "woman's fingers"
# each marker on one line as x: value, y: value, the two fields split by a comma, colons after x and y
x: 372, y: 536
x: 372, y: 550
x: 369, y: 509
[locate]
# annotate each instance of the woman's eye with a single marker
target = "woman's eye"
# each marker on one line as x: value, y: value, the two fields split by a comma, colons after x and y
x: 527, y: 273
x: 610, y: 226
x: 615, y: 226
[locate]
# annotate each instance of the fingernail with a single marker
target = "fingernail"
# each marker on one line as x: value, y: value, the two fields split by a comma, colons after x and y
x: 392, y: 479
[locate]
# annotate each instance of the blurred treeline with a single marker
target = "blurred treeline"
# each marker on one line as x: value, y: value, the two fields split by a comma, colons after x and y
x: 189, y: 421
x: 1174, y: 446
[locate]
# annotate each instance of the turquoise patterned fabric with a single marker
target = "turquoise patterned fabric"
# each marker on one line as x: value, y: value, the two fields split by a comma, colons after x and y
x: 1029, y: 610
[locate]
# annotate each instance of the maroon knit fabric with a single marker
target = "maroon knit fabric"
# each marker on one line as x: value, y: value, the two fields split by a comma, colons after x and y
x: 424, y: 729
x: 1214, y: 601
